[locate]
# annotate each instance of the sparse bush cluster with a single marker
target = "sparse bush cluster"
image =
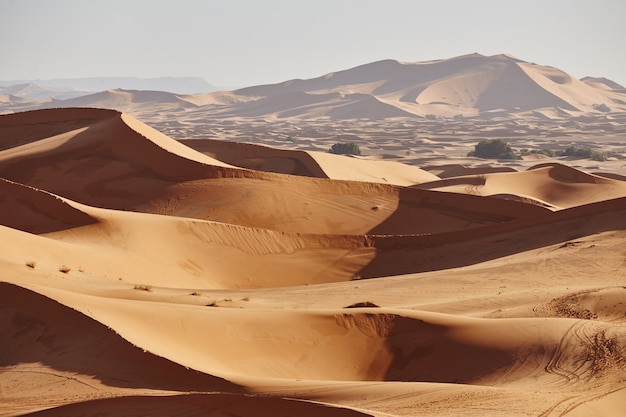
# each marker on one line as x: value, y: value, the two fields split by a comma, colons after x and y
x: 493, y: 149
x: 345, y: 149
x: 500, y: 149
x: 585, y: 153
x: 546, y: 152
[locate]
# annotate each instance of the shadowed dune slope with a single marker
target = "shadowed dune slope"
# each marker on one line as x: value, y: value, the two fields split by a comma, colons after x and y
x: 259, y: 158
x: 105, y: 161
x: 310, y: 163
x: 37, y: 329
x: 199, y: 405
x: 36, y: 211
x: 406, y: 254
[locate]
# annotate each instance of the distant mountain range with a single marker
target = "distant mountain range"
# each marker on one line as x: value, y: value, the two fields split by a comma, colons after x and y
x: 468, y: 85
x: 72, y: 87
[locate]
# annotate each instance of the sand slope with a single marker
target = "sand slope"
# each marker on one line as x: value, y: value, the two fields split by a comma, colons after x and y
x: 139, y: 276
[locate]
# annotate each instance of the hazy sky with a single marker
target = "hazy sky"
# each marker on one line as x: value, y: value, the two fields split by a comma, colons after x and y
x: 238, y: 43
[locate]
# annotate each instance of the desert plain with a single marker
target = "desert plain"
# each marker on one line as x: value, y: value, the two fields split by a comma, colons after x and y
x: 205, y: 255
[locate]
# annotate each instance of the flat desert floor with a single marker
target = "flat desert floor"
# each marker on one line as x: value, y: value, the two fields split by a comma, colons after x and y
x: 160, y: 266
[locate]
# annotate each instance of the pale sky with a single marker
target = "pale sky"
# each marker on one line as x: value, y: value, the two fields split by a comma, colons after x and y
x: 238, y: 43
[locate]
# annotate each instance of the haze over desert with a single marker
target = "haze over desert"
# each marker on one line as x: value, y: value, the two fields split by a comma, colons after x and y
x: 205, y: 254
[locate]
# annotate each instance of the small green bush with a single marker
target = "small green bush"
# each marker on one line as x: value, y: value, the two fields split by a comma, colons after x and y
x: 345, y: 149
x: 602, y: 107
x: 493, y: 149
x: 584, y: 153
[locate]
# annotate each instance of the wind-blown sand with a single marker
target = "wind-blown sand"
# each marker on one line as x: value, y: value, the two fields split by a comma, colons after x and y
x: 145, y: 276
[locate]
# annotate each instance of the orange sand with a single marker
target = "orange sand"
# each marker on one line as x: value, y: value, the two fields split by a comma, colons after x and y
x: 144, y: 276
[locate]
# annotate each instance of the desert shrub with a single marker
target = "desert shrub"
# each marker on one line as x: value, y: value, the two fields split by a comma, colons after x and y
x: 143, y: 288
x: 493, y: 149
x: 362, y: 304
x: 345, y: 149
x: 64, y: 269
x: 546, y: 152
x: 602, y: 107
x: 31, y: 264
x: 584, y: 153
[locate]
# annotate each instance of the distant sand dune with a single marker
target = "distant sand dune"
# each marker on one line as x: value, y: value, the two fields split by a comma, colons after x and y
x: 467, y: 85
x: 551, y: 184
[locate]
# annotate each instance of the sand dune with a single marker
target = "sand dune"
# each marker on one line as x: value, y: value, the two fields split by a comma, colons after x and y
x: 144, y: 276
x: 550, y: 185
x: 311, y: 163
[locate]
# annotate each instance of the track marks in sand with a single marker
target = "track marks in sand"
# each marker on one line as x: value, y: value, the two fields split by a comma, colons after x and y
x: 589, y: 353
x: 600, y: 304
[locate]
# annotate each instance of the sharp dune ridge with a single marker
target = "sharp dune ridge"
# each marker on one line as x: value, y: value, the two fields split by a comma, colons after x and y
x: 141, y: 275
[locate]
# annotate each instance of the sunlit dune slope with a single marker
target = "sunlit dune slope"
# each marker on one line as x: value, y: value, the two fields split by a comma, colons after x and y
x: 149, y: 250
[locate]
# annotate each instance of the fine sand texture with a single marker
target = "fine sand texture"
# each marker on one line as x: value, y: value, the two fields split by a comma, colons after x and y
x: 146, y: 276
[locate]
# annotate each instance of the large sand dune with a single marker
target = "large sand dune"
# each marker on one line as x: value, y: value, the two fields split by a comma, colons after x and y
x: 144, y: 276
